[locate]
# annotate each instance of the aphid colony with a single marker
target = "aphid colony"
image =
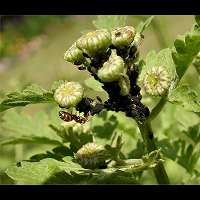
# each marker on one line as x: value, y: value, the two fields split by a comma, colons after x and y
x: 111, y: 57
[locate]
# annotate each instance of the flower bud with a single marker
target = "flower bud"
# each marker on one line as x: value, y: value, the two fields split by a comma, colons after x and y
x: 91, y: 156
x: 124, y: 84
x: 112, y: 69
x: 68, y: 94
x: 123, y: 37
x: 156, y: 81
x: 94, y: 43
x: 74, y: 55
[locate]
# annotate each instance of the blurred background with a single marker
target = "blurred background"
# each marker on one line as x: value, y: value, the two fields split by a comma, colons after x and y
x: 32, y: 49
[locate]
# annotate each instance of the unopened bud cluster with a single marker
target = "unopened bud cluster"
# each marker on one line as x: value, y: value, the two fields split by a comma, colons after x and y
x: 106, y: 54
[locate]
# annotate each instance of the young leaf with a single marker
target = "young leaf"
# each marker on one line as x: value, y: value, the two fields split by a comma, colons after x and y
x: 109, y: 21
x: 197, y: 19
x: 93, y: 84
x: 196, y: 63
x: 39, y: 172
x: 186, y: 49
x: 30, y: 95
x: 20, y: 126
x: 193, y: 133
x: 185, y: 97
x: 56, y: 84
x: 29, y: 140
x: 143, y: 25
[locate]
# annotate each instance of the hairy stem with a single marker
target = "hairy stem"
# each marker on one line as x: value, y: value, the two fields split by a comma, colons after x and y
x: 147, y: 134
x: 156, y: 110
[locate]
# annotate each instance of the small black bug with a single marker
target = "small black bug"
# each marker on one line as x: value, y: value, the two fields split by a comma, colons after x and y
x: 67, y: 117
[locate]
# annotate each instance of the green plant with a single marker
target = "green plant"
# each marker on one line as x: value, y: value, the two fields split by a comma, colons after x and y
x: 91, y: 142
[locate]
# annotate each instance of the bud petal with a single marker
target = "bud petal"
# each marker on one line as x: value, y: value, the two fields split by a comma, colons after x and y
x: 74, y: 55
x: 68, y: 94
x: 94, y: 43
x: 112, y: 69
x: 122, y: 37
x: 91, y: 156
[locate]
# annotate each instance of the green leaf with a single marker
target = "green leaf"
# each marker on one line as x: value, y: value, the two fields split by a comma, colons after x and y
x: 146, y: 162
x: 196, y: 63
x: 193, y: 133
x: 30, y: 95
x: 76, y: 138
x: 40, y: 172
x: 109, y: 21
x: 181, y: 151
x: 93, y: 84
x: 143, y: 25
x: 185, y: 97
x: 186, y: 49
x: 20, y: 125
x: 197, y: 19
x: 56, y: 84
x: 29, y: 140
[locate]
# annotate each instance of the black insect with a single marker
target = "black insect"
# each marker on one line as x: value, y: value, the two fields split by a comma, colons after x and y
x: 67, y: 117
x: 99, y: 99
x: 82, y: 68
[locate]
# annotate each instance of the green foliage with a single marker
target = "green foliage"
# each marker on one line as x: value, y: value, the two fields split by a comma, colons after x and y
x: 93, y: 84
x: 30, y: 95
x: 39, y: 172
x: 49, y: 170
x: 186, y: 97
x: 21, y: 128
x: 184, y: 151
x: 29, y: 140
x: 143, y: 25
x: 186, y: 49
x: 197, y: 18
x: 109, y: 22
x: 76, y: 138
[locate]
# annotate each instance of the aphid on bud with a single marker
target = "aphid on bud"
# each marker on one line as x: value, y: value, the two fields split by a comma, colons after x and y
x: 123, y: 36
x: 67, y: 117
x: 81, y: 68
x: 99, y: 99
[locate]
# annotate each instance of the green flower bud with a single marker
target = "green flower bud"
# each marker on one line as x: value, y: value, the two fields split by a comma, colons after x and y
x: 68, y: 94
x: 91, y: 156
x: 74, y: 55
x: 112, y: 69
x: 124, y: 84
x: 94, y: 43
x: 122, y: 37
x: 156, y: 81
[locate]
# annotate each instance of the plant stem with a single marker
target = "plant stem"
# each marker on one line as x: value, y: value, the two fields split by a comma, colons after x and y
x: 147, y: 134
x: 156, y: 110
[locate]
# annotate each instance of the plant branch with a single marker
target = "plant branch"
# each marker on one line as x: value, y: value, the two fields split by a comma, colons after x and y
x: 156, y: 110
x: 148, y: 138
